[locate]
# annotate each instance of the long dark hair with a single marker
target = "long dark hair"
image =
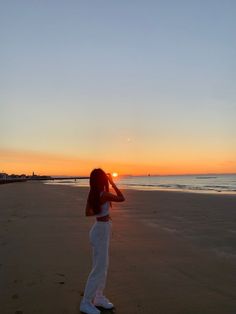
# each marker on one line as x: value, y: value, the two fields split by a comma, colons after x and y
x: 98, y: 183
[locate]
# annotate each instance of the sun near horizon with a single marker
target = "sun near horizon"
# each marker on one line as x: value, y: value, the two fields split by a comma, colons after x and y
x: 48, y: 164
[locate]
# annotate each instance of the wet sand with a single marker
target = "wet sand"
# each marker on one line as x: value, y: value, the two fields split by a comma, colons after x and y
x: 171, y: 252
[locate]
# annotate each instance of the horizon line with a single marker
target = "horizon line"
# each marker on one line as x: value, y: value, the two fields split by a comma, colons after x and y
x: 156, y: 175
x: 130, y: 174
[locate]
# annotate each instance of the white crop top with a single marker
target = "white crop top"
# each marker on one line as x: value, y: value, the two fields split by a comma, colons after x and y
x: 104, y: 208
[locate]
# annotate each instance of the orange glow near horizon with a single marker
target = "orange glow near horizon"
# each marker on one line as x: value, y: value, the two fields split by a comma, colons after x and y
x: 48, y: 164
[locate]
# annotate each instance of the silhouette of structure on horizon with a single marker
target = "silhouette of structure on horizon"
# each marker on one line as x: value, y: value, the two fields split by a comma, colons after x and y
x: 6, y: 178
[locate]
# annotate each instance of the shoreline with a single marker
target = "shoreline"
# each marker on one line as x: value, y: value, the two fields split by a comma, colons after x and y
x: 210, y: 192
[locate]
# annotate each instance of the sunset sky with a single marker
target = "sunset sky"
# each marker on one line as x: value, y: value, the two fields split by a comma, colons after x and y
x: 135, y: 87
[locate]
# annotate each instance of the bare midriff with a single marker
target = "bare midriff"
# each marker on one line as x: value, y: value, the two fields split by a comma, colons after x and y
x: 104, y: 218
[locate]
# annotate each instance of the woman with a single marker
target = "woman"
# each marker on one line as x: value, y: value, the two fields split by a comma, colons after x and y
x: 98, y: 204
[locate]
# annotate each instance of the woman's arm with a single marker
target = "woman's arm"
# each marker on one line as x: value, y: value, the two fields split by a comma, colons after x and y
x: 119, y: 197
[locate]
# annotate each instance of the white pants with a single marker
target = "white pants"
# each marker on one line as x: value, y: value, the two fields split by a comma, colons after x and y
x: 99, y: 238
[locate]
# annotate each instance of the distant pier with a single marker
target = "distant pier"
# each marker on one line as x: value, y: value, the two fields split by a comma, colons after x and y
x: 5, y: 178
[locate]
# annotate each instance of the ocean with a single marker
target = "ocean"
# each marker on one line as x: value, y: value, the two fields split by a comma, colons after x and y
x: 219, y: 183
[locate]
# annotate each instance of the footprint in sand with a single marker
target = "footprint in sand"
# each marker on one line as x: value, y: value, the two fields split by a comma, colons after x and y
x: 60, y: 282
x: 18, y: 312
x: 15, y: 296
x: 31, y: 283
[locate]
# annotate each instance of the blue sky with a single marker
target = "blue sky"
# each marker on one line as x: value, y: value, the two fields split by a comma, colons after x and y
x: 142, y: 80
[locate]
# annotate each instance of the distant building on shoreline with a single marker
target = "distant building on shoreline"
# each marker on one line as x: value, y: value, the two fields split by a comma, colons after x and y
x: 6, y: 178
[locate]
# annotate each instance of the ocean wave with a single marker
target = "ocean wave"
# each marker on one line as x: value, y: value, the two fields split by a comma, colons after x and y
x: 220, y: 183
x: 205, y: 177
x: 216, y: 188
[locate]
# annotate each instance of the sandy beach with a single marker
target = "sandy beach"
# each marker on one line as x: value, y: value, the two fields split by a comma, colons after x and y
x: 171, y: 252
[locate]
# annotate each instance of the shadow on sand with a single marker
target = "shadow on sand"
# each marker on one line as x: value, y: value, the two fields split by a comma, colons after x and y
x: 104, y: 311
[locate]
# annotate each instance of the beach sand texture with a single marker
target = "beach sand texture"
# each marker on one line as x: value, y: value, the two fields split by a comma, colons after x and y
x: 171, y: 252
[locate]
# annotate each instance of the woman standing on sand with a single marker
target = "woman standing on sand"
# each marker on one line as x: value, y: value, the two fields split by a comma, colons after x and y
x: 98, y: 204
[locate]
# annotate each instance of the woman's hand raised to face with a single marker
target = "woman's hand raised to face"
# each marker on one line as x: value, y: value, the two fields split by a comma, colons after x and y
x: 110, y: 179
x: 119, y: 197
